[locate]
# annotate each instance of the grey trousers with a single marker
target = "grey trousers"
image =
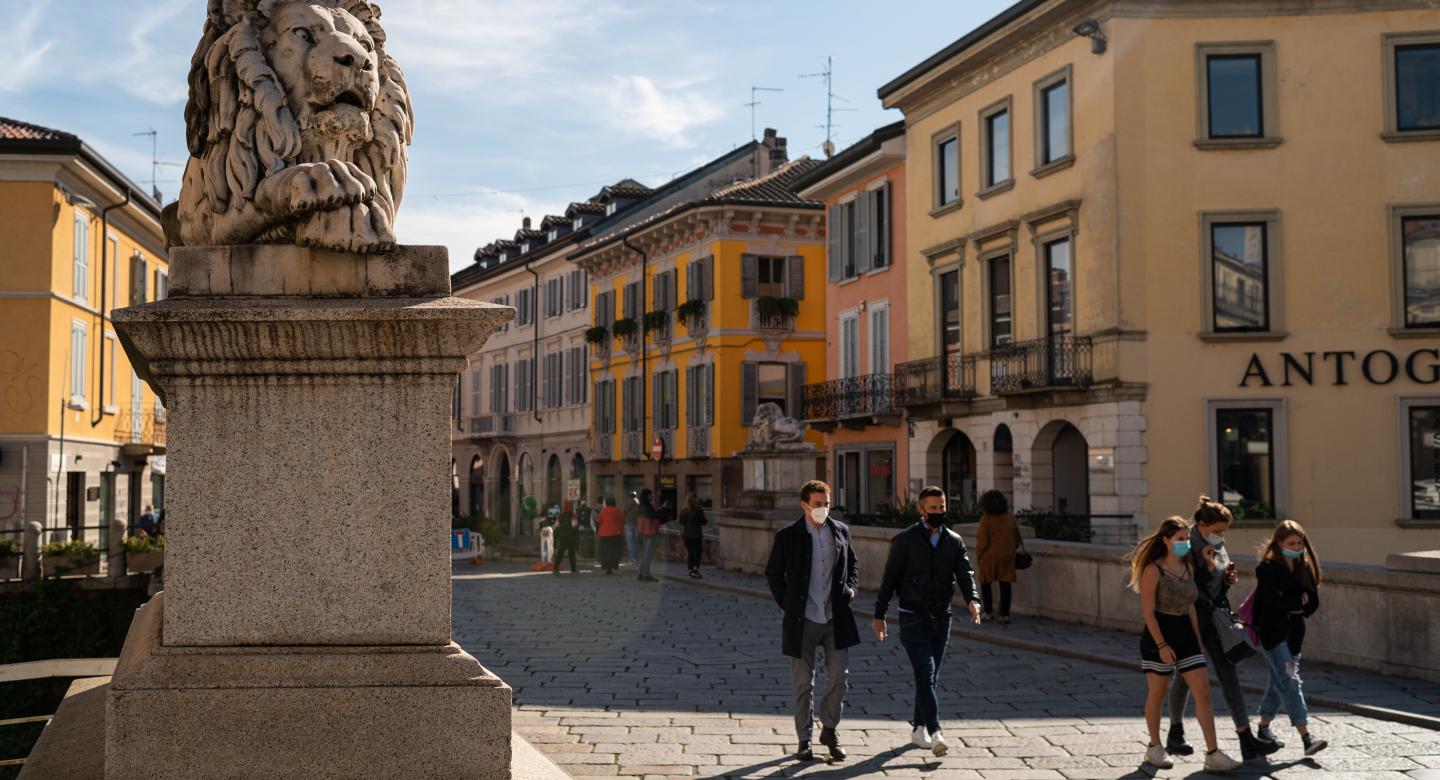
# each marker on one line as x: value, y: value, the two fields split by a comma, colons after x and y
x: 802, y: 680
x: 1227, y: 673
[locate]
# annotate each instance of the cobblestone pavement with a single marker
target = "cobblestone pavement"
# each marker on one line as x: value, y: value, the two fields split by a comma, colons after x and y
x: 614, y: 677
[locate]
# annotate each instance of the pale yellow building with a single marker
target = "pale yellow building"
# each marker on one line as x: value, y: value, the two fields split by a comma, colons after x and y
x: 82, y: 438
x: 1180, y: 247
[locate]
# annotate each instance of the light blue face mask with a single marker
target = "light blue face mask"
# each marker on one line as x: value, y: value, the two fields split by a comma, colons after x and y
x: 1292, y: 554
x: 1181, y: 549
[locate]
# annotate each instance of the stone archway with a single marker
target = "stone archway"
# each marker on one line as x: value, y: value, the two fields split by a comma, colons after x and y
x: 504, y: 492
x: 1003, y: 462
x: 554, y: 483
x: 1060, y: 475
x: 951, y: 457
x: 577, y: 472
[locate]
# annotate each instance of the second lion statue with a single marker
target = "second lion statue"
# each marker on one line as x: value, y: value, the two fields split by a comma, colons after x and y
x: 298, y: 125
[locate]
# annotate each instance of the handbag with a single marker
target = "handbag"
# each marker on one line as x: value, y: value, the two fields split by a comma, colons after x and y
x: 1235, y: 636
x: 1023, y: 560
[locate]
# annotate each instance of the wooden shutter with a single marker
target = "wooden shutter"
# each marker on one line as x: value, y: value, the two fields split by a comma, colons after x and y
x: 795, y: 404
x: 883, y: 211
x: 795, y: 266
x: 707, y: 277
x: 690, y: 395
x: 709, y: 393
x: 749, y: 391
x: 864, y: 232
x: 834, y: 231
x: 657, y: 293
x: 657, y: 385
x: 749, y: 277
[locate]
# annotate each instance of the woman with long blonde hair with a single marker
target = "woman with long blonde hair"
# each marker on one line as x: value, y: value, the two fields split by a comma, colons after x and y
x: 1287, y: 590
x: 1161, y: 573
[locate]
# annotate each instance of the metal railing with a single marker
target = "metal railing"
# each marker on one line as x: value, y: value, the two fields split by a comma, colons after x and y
x: 602, y: 446
x: 1054, y: 362
x: 856, y: 396
x: 632, y: 445
x: 145, y: 427
x: 698, y: 441
x: 775, y: 321
x: 936, y: 379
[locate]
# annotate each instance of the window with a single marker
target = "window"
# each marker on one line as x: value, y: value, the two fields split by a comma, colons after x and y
x: 1236, y: 95
x: 880, y: 479
x: 947, y: 169
x: 700, y: 395
x: 1000, y: 301
x: 865, y: 480
x: 880, y: 339
x: 770, y: 387
x: 1060, y: 290
x: 1420, y: 258
x: 995, y: 148
x: 476, y: 394
x: 778, y: 277
x: 879, y: 212
x: 950, y: 311
x: 525, y: 307
x: 1052, y: 123
x: 554, y: 298
x: 162, y: 285
x: 860, y: 234
x: 503, y: 300
x: 605, y: 406
x: 525, y: 384
x: 771, y: 277
x: 1238, y: 276
x: 634, y: 412
x: 849, y: 345
x: 1412, y: 86
x: 499, y: 388
x: 782, y: 384
x: 79, y: 346
x: 578, y: 384
x: 632, y: 301
x: 139, y: 274
x: 552, y: 380
x: 81, y: 269
x: 851, y: 237
x: 666, y: 412
x: 1420, y: 422
x: 1245, y: 466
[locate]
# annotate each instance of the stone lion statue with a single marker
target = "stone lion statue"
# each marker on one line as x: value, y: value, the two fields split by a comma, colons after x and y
x: 771, y: 428
x: 298, y: 126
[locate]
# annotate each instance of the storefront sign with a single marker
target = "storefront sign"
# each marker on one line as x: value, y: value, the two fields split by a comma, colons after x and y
x: 1377, y: 367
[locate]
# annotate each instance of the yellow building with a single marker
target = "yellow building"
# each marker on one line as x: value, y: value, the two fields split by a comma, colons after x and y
x: 703, y: 313
x: 82, y: 438
x: 1179, y: 247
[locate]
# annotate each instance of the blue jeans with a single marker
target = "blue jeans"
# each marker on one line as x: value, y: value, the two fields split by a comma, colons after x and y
x: 925, y: 638
x: 632, y: 544
x: 1283, y: 686
x: 648, y: 554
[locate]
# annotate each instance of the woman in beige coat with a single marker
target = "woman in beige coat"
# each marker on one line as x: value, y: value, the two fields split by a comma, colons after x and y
x: 995, y: 547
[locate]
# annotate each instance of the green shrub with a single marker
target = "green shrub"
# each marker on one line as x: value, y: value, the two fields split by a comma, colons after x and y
x: 79, y: 552
x: 597, y: 335
x: 770, y: 308
x: 656, y: 320
x: 1056, y: 526
x: 690, y: 312
x: 137, y: 545
x: 624, y: 328
x: 491, y: 530
x: 9, y: 548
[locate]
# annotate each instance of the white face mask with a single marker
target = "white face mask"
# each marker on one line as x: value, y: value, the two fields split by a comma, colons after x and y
x: 820, y: 513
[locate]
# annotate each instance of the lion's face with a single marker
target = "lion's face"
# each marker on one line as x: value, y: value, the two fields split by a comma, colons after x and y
x: 327, y: 64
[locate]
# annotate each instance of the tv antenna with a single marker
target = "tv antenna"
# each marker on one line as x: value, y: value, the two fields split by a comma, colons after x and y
x: 828, y: 76
x: 155, y: 163
x: 753, y: 103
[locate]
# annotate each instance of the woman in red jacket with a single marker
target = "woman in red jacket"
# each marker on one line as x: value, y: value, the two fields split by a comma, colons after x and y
x: 610, y: 536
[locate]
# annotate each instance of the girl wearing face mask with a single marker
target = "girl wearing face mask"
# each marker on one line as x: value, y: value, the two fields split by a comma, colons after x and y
x: 1160, y: 571
x: 1214, y: 574
x: 1287, y: 583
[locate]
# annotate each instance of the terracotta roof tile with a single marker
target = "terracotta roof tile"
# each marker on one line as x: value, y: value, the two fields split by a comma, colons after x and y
x: 15, y: 130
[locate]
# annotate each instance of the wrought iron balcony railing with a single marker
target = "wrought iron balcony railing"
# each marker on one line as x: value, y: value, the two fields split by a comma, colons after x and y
x: 776, y: 321
x: 857, y: 396
x: 632, y: 445
x: 602, y: 446
x: 932, y: 380
x: 1042, y: 363
x: 698, y: 442
x: 140, y: 427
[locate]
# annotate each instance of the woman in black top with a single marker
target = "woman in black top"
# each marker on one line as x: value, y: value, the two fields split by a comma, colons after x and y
x: 692, y: 529
x: 1286, y: 592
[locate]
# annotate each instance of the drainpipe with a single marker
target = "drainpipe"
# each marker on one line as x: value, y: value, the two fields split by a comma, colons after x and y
x: 104, y: 311
x: 644, y: 353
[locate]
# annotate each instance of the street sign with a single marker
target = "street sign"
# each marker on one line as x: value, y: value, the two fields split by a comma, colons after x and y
x: 657, y: 449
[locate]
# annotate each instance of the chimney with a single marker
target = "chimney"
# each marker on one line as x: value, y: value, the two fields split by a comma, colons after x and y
x: 778, y: 154
x: 526, y: 223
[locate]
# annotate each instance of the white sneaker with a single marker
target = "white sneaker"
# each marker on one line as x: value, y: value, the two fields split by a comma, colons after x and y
x: 921, y: 738
x: 940, y: 747
x: 1155, y: 756
x: 1216, y: 761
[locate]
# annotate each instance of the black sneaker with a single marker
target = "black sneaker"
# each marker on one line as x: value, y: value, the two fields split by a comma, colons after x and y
x: 828, y: 739
x: 804, y: 753
x: 1175, y: 743
x: 1313, y: 744
x: 1252, y: 747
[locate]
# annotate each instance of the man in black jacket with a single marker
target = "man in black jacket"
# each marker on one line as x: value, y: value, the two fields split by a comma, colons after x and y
x: 926, y: 562
x: 813, y: 575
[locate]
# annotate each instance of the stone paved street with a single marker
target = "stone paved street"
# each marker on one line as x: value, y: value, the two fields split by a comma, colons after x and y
x: 617, y: 678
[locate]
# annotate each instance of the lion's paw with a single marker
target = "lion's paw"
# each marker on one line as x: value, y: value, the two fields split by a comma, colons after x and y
x: 320, y: 186
x: 361, y: 228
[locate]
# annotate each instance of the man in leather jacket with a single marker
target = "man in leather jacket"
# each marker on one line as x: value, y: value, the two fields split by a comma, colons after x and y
x: 926, y: 563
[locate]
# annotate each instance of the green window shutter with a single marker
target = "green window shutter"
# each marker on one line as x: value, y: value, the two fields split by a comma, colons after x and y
x: 864, y: 232
x: 795, y: 286
x: 707, y: 277
x: 709, y: 393
x: 749, y: 276
x: 795, y: 404
x: 834, y: 234
x: 749, y: 391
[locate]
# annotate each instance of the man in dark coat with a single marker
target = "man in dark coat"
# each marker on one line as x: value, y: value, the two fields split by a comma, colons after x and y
x: 813, y: 575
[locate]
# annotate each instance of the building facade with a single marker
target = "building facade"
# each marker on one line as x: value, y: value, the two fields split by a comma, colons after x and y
x: 1190, y: 248
x: 82, y: 438
x: 857, y: 404
x: 702, y: 314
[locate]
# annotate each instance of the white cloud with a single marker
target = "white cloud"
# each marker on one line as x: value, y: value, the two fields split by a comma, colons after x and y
x: 21, y: 54
x: 635, y: 103
x: 464, y: 225
x: 151, y: 73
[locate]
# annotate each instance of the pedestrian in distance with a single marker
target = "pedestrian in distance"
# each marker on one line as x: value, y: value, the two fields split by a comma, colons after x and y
x: 996, y: 543
x: 650, y: 521
x: 1161, y: 573
x: 1287, y: 591
x: 813, y: 575
x: 610, y: 536
x: 925, y: 564
x: 692, y: 529
x: 149, y: 522
x: 632, y: 521
x: 1214, y: 575
x: 547, y: 540
x: 567, y: 541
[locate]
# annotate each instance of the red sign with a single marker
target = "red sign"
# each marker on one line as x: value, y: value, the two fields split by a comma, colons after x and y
x: 657, y: 449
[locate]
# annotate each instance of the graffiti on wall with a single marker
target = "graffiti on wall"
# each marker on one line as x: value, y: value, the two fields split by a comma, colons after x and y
x: 21, y: 386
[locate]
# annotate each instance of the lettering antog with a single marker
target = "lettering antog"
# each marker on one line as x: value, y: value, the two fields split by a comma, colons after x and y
x: 1377, y: 367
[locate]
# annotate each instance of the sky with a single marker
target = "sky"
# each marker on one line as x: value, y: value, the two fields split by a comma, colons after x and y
x: 522, y: 106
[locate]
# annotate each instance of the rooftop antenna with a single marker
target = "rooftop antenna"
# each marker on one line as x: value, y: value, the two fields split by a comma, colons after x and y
x: 155, y: 163
x: 753, y: 103
x: 827, y: 76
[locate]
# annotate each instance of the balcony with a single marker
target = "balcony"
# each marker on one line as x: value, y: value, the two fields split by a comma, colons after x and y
x: 141, y: 432
x: 853, y: 401
x: 935, y: 380
x: 602, y: 446
x: 659, y: 327
x: 698, y: 440
x: 490, y: 425
x: 1042, y: 364
x: 632, y: 445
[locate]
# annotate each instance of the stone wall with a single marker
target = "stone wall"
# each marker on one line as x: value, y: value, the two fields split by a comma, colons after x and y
x: 1372, y: 617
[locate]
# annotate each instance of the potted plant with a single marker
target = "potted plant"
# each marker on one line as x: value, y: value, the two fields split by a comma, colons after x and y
x: 656, y: 321
x: 143, y: 554
x: 624, y: 329
x: 9, y: 559
x: 776, y: 308
x: 597, y: 335
x: 77, y: 557
x: 692, y: 313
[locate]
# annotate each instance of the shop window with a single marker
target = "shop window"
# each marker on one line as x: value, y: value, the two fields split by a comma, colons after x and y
x: 1421, y: 421
x: 1248, y: 458
x: 1420, y: 255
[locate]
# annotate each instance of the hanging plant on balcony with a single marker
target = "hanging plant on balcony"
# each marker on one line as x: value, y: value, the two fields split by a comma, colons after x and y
x: 597, y: 335
x: 691, y: 313
x: 656, y: 320
x: 624, y: 329
x: 773, y: 308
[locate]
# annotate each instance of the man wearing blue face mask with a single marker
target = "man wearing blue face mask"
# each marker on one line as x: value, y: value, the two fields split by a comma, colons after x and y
x: 813, y: 575
x: 926, y: 562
